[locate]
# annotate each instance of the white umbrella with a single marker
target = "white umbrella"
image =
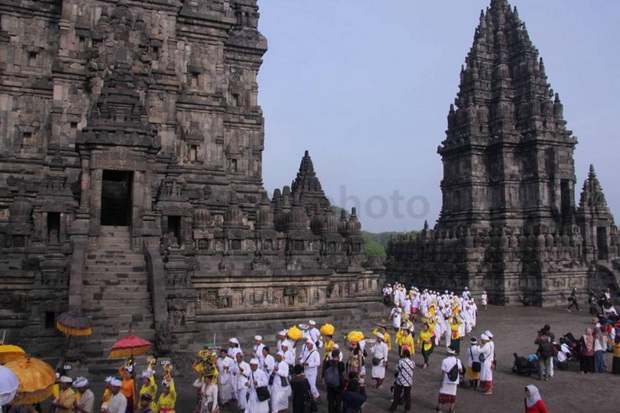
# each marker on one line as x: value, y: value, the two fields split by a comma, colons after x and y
x: 8, y: 385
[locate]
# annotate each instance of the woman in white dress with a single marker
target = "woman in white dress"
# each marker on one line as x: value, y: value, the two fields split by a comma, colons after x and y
x: 280, y: 389
x: 208, y: 391
x: 225, y: 380
x: 379, y: 360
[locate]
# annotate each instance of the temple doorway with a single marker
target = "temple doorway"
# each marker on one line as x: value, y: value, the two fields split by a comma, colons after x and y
x: 116, y: 198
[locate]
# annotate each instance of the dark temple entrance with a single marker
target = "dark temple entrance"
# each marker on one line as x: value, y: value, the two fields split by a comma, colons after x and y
x: 116, y: 198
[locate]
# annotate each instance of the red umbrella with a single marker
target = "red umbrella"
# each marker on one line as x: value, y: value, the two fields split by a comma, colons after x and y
x: 129, y: 346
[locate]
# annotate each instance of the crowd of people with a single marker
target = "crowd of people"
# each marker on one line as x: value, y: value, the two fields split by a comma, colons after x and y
x: 283, y: 377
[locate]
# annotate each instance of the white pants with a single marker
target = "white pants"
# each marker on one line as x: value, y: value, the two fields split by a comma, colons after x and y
x: 311, y: 376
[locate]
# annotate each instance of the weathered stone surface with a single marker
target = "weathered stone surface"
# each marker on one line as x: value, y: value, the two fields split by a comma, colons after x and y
x: 509, y: 224
x: 130, y: 160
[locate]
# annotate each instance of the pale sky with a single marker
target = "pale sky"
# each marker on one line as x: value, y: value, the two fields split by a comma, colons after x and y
x: 365, y: 86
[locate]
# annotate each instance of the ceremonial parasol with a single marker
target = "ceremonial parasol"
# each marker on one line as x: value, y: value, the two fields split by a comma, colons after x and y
x: 355, y: 336
x: 327, y: 330
x: 9, y: 352
x: 294, y: 333
x: 74, y: 324
x: 8, y: 385
x: 36, y: 380
x: 129, y: 346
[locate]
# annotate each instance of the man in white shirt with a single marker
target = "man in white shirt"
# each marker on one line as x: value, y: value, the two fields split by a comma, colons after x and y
x: 311, y: 363
x: 87, y: 398
x: 258, y: 350
x: 258, y: 378
x: 449, y: 385
x: 379, y: 360
x: 118, y: 401
x: 268, y: 361
x: 241, y: 375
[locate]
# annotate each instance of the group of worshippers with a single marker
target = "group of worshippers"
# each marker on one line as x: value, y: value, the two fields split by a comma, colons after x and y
x: 72, y: 395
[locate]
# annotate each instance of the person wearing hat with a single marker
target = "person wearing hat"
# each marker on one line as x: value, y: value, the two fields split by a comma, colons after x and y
x: 257, y: 350
x: 395, y: 316
x: 146, y: 400
x: 313, y: 333
x: 280, y: 389
x: 382, y: 328
x: 87, y: 398
x: 233, y: 348
x: 168, y: 397
x: 282, y: 339
x: 289, y: 354
x: 65, y: 401
x: 208, y: 394
x: 129, y: 385
x: 257, y: 378
x: 311, y: 363
x: 447, y: 391
x: 107, y: 393
x: 148, y: 385
x: 241, y: 374
x: 473, y: 363
x: 118, y: 401
x: 379, y: 360
x: 486, y: 369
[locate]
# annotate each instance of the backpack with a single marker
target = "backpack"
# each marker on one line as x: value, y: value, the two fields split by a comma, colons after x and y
x: 453, y: 374
x: 331, y: 376
x: 546, y: 348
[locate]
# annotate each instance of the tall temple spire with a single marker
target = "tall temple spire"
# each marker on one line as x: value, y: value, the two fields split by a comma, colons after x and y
x: 592, y: 198
x: 504, y: 121
x: 307, y: 186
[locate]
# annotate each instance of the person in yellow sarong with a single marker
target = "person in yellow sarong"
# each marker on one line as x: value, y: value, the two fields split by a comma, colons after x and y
x: 167, y: 398
x: 425, y: 343
x: 65, y: 401
x: 107, y: 394
x: 149, y: 386
x: 455, y: 342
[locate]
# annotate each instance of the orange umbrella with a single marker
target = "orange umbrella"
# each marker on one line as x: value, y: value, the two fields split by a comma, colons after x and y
x: 9, y: 352
x: 74, y: 324
x: 36, y: 380
x: 130, y: 346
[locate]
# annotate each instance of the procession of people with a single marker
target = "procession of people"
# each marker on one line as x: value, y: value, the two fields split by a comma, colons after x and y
x: 284, y: 374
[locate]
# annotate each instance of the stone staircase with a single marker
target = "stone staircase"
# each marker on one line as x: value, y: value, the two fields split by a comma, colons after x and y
x: 115, y: 297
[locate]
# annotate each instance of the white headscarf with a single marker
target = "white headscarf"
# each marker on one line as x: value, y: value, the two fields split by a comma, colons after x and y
x: 534, y: 395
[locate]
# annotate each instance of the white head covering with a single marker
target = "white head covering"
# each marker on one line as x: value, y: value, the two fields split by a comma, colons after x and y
x: 489, y: 334
x: 116, y: 383
x: 309, y: 341
x: 109, y: 379
x: 312, y: 322
x: 484, y: 337
x: 534, y: 395
x: 165, y: 383
x: 254, y: 361
x: 80, y: 382
x: 234, y: 340
x: 66, y: 379
x: 260, y: 338
x: 450, y: 351
x: 381, y: 336
x: 336, y: 346
x: 282, y: 332
x: 280, y: 353
x: 146, y: 374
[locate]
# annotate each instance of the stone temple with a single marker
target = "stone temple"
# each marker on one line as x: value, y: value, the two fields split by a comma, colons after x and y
x: 509, y: 223
x: 130, y: 182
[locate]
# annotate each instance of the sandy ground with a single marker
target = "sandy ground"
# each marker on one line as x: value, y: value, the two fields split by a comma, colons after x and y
x: 514, y: 330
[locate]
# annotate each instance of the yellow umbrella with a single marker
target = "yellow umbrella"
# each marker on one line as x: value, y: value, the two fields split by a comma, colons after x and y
x: 294, y: 333
x: 9, y: 352
x: 327, y: 329
x: 36, y: 380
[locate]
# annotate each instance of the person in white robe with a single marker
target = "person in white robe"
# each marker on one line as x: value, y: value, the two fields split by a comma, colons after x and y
x: 314, y: 334
x: 241, y: 375
x: 257, y: 350
x: 281, y: 388
x: 379, y: 360
x: 233, y: 348
x: 282, y: 339
x: 268, y: 361
x: 257, y: 378
x: 209, y: 393
x: 311, y: 363
x: 395, y: 316
x: 486, y: 370
x: 289, y: 354
x: 447, y: 391
x: 225, y: 378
